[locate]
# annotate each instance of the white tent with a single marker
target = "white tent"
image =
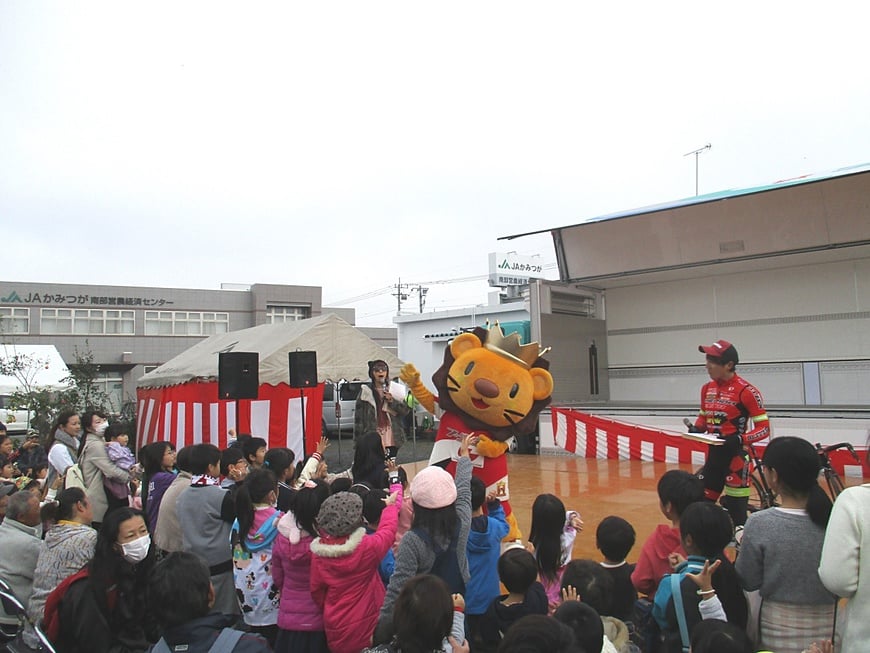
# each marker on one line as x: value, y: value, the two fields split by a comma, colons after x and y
x: 342, y: 352
x: 42, y: 365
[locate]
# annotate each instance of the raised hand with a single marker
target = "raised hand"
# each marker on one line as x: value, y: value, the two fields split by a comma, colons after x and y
x: 569, y: 593
x: 704, y: 578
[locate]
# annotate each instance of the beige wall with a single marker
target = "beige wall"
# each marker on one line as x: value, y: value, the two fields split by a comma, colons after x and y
x: 815, y: 312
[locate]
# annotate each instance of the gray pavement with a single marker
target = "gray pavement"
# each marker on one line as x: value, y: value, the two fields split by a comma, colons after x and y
x: 339, y: 455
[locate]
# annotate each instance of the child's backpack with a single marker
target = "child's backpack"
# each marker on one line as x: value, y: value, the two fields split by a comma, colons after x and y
x: 644, y: 631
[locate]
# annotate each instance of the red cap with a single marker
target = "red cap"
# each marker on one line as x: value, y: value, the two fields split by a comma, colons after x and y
x: 720, y: 349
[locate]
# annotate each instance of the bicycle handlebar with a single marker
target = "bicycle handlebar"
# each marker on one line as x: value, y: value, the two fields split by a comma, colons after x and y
x: 834, y: 447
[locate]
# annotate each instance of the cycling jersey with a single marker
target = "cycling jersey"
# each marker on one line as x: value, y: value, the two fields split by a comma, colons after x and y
x: 733, y: 407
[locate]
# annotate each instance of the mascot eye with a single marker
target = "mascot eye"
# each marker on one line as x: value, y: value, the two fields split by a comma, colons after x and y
x: 468, y: 368
x: 515, y: 388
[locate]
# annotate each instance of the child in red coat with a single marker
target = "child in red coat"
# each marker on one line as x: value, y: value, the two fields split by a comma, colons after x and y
x: 344, y: 567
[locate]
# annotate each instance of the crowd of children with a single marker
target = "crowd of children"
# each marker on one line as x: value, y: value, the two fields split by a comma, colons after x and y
x: 363, y: 560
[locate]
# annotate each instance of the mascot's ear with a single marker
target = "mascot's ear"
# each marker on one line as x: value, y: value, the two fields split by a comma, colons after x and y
x: 543, y: 382
x: 463, y: 343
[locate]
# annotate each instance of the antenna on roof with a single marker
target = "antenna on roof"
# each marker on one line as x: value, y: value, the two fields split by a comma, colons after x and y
x: 696, y: 153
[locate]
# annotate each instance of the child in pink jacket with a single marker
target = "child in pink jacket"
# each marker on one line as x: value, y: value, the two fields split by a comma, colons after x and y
x: 344, y: 567
x: 300, y: 619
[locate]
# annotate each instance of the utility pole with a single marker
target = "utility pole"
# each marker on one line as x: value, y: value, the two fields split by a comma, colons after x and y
x: 696, y: 153
x: 400, y: 295
x: 421, y: 293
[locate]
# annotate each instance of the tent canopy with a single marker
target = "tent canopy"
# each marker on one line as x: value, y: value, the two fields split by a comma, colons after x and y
x: 41, y: 364
x: 342, y: 352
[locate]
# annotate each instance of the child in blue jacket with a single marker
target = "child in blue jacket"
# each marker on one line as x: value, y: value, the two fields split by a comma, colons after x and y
x: 484, y: 547
x: 705, y: 530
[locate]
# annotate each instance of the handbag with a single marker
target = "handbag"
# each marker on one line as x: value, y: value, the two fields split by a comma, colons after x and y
x: 74, y: 477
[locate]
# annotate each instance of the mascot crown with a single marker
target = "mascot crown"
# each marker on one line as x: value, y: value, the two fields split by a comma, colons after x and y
x: 509, y: 347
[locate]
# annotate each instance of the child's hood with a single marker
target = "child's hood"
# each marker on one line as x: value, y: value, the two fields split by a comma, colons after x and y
x: 288, y: 527
x: 667, y: 541
x: 483, y: 541
x: 337, y: 547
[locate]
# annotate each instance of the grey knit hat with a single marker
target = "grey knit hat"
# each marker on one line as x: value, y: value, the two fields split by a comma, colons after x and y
x: 340, y: 514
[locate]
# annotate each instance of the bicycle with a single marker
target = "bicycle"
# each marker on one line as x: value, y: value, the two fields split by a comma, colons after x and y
x: 835, y: 483
x: 762, y: 496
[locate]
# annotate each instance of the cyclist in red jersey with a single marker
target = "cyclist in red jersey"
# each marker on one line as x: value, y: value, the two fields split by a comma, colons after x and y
x: 733, y: 409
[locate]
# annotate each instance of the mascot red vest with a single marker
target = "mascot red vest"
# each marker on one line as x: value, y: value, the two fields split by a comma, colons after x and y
x: 492, y: 386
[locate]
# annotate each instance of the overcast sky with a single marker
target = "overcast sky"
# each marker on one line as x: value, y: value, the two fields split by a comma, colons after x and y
x: 347, y: 144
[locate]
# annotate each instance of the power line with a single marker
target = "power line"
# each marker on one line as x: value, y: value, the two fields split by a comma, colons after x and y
x: 368, y: 295
x: 389, y: 289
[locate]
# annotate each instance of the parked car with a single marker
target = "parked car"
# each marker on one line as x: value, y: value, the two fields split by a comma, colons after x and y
x: 17, y: 421
x: 348, y: 392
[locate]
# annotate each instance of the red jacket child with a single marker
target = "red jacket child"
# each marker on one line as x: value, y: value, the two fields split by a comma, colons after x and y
x: 344, y: 568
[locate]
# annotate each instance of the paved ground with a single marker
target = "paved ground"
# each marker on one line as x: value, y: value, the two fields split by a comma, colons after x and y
x: 339, y: 455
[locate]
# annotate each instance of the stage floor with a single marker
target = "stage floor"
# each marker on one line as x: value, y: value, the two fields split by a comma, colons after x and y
x: 595, y: 488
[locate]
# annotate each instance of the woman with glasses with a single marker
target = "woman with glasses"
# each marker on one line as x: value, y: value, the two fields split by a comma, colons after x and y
x: 377, y: 410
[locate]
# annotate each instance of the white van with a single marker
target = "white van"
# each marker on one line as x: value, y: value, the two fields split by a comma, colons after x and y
x: 17, y: 421
x: 347, y: 394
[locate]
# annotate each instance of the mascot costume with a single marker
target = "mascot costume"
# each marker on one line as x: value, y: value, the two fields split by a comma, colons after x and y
x: 490, y: 386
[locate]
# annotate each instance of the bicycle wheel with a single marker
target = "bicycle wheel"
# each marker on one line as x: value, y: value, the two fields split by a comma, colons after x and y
x: 758, y: 498
x: 835, y: 484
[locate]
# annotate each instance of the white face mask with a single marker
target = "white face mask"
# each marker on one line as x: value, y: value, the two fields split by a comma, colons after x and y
x: 137, y: 550
x: 101, y: 428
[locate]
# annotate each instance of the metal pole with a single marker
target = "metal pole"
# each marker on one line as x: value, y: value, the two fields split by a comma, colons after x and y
x: 697, y: 153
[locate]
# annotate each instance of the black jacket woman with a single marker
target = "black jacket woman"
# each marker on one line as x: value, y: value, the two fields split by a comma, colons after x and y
x: 104, y: 611
x: 378, y: 411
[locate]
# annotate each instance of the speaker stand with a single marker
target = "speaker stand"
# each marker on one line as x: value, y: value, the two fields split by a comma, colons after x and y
x: 302, y: 405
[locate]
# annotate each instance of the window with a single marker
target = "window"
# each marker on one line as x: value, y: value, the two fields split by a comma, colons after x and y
x: 276, y: 314
x: 149, y: 368
x: 83, y: 321
x: 185, y: 323
x: 113, y: 385
x: 14, y: 320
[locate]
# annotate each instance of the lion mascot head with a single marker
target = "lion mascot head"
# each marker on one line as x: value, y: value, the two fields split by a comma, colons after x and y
x: 495, y: 383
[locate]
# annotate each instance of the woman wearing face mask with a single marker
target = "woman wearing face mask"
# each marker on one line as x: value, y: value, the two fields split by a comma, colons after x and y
x: 102, y: 608
x: 95, y: 463
x: 63, y: 444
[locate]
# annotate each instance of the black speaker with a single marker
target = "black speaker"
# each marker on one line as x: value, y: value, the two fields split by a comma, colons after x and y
x: 303, y: 369
x: 238, y: 375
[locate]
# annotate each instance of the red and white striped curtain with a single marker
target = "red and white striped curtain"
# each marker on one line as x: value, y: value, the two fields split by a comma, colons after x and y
x: 191, y: 413
x: 591, y: 436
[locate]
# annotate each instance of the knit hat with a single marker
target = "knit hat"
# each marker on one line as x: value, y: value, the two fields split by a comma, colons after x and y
x: 433, y: 487
x: 340, y: 514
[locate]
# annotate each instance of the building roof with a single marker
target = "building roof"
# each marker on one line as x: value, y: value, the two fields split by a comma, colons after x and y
x: 711, y: 197
x: 42, y: 365
x: 810, y: 219
x: 342, y: 352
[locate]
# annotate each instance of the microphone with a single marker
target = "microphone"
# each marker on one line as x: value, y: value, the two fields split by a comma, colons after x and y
x: 689, y: 423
